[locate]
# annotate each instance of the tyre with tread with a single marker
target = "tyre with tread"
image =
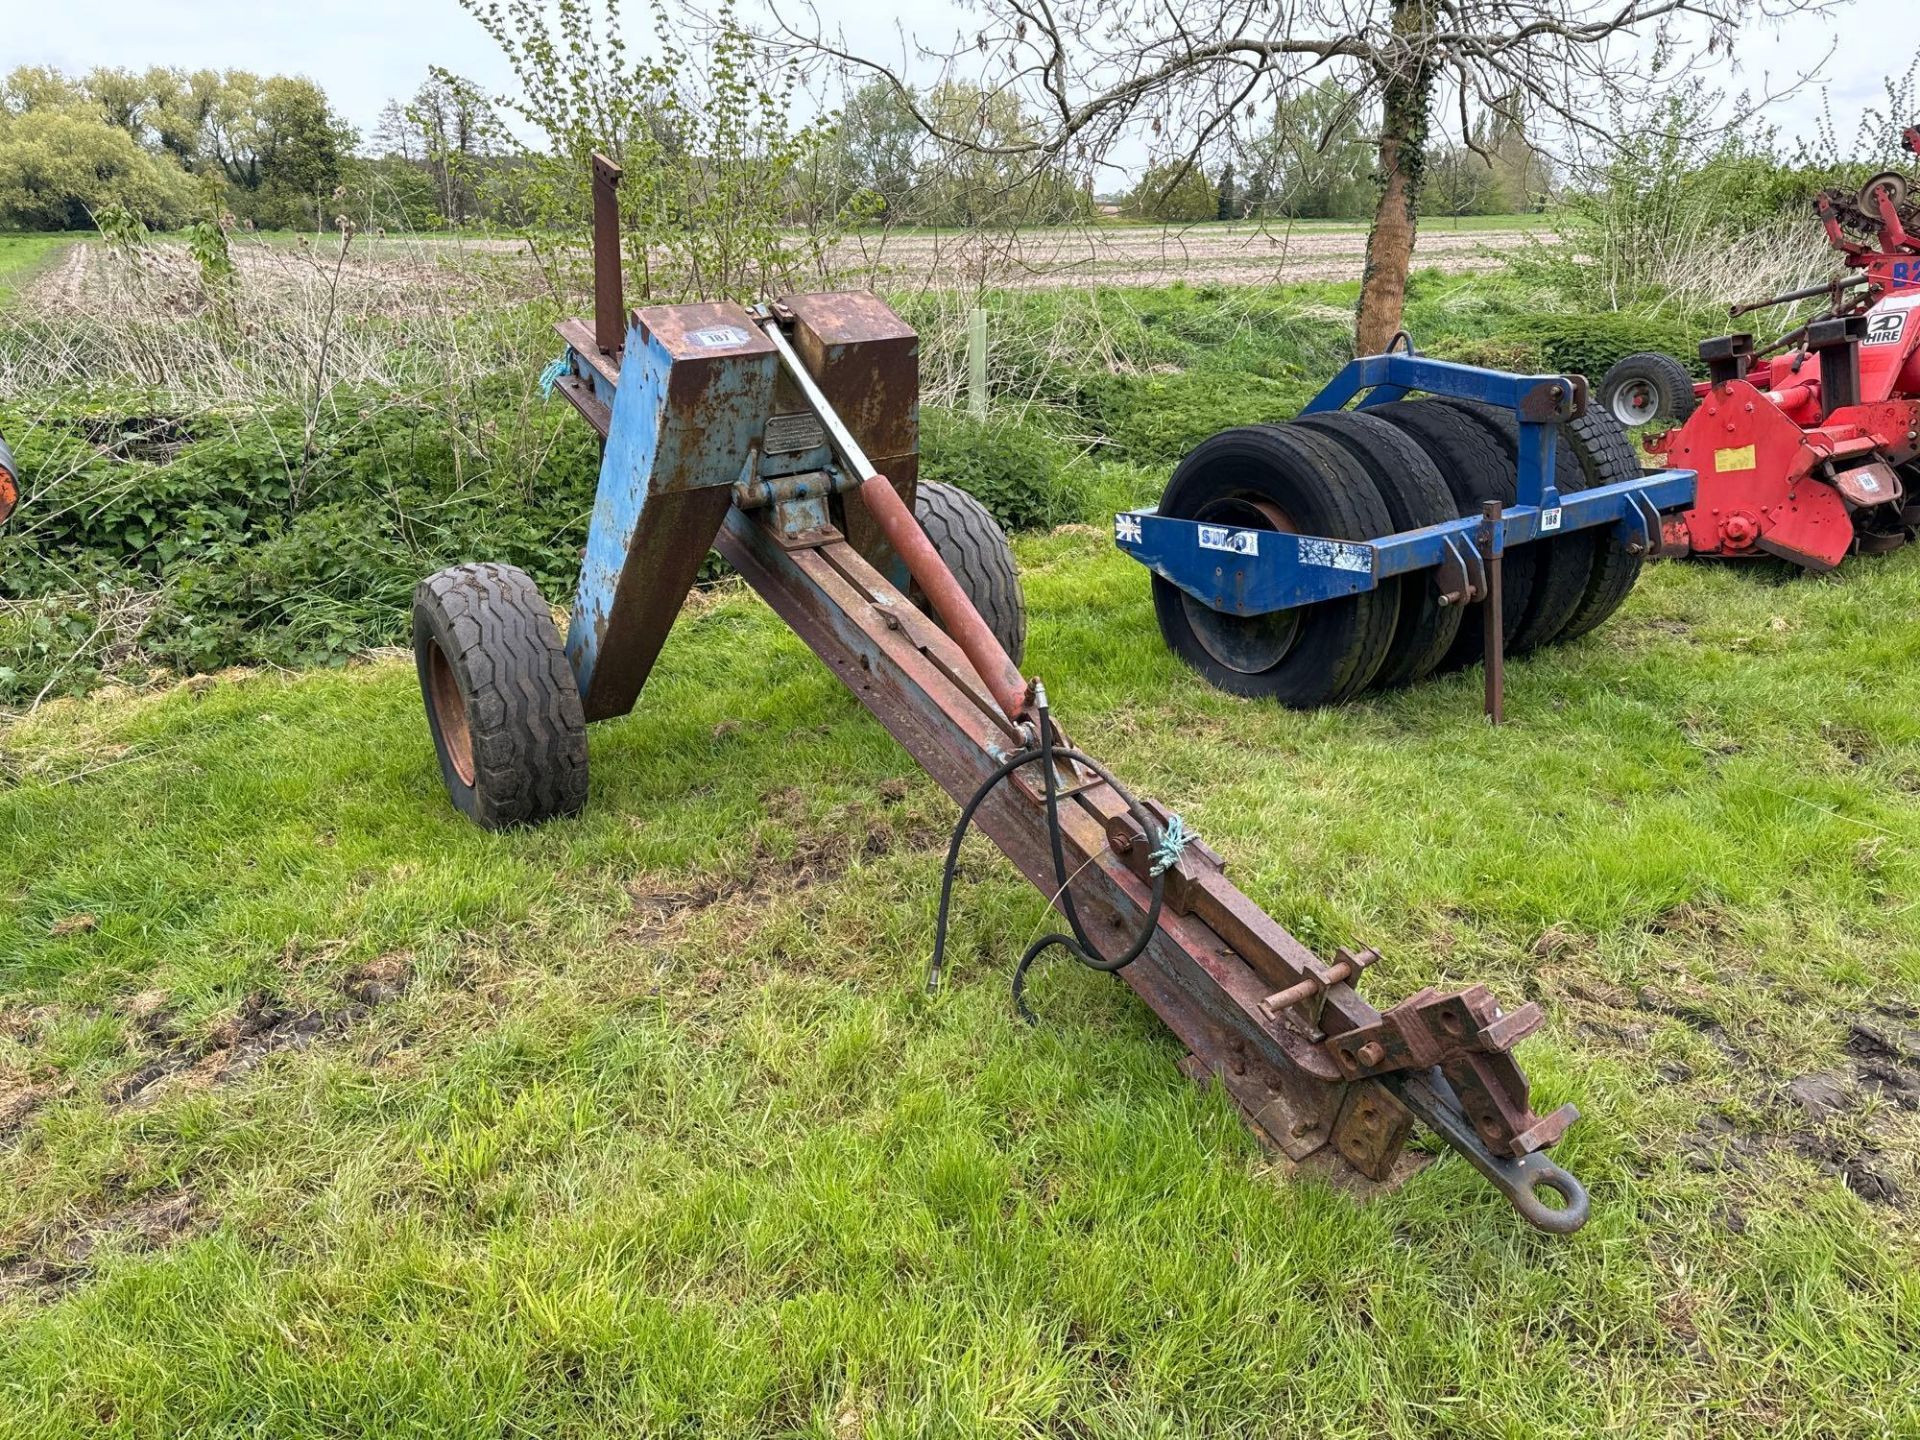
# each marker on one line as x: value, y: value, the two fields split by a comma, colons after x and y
x: 975, y: 549
x: 1607, y: 456
x: 1476, y: 470
x: 1286, y: 478
x: 1562, y: 565
x: 1415, y: 496
x: 501, y: 702
x: 1642, y: 388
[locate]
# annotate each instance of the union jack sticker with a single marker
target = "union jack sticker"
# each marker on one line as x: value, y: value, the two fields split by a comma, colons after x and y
x: 1126, y: 529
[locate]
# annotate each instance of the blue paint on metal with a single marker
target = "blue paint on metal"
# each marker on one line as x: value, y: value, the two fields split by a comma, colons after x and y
x: 1257, y: 572
x: 681, y: 420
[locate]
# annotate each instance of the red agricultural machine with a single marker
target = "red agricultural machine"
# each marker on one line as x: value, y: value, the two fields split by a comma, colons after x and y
x: 1806, y: 446
x: 9, y: 483
x: 763, y: 432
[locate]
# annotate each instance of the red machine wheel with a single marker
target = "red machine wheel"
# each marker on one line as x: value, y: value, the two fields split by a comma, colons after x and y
x: 1275, y: 477
x: 1646, y: 387
x: 1415, y: 496
x: 501, y: 701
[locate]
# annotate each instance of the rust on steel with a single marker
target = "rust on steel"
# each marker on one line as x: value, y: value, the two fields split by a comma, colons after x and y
x: 906, y: 539
x: 866, y: 362
x: 1493, y: 621
x: 1215, y: 956
x: 609, y: 303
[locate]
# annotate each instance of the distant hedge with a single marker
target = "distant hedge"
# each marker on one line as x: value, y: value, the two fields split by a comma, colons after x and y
x: 1575, y: 344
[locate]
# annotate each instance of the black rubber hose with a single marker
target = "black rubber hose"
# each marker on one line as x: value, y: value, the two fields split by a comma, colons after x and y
x: 1078, y: 944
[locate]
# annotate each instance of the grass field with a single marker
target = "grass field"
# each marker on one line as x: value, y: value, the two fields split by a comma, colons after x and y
x: 326, y: 1114
x: 23, y: 256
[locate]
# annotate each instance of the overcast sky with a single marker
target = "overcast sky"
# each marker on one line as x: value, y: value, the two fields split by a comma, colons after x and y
x: 366, y: 52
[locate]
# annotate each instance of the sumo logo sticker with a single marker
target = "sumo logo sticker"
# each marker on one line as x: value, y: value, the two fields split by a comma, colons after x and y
x: 1885, y: 329
x: 1234, y: 542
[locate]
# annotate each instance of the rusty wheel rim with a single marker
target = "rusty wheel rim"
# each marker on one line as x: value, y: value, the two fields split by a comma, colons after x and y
x: 1247, y: 644
x: 450, y: 713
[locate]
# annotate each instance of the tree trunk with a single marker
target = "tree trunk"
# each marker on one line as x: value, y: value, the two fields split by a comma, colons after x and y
x: 1406, y: 95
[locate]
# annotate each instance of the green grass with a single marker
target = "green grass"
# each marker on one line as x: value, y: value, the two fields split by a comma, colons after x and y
x: 24, y: 255
x: 662, y: 1137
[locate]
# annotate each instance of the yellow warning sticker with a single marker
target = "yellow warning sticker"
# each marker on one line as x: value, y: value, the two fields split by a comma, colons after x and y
x: 1741, y: 459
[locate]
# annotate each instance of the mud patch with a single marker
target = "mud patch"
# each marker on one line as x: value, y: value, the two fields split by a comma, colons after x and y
x: 1885, y: 1049
x: 825, y: 850
x: 261, y: 1027
x: 380, y: 980
x: 62, y: 1256
x: 1853, y: 1122
x: 1694, y: 1011
x: 18, y: 1102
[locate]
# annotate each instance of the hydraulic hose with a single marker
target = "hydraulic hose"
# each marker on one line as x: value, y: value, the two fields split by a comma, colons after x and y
x: 1078, y: 944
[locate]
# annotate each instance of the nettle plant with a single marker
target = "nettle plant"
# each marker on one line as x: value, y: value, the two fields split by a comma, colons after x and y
x: 714, y: 166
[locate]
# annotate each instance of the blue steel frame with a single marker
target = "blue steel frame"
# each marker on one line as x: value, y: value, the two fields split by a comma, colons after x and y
x: 1256, y: 572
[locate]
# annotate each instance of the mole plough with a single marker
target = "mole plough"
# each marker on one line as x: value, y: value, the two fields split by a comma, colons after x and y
x: 784, y: 435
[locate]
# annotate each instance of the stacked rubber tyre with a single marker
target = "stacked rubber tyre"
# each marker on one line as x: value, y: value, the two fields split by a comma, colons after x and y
x: 1362, y: 474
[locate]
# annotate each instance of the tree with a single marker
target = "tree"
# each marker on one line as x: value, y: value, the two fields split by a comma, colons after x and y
x: 61, y: 165
x: 1173, y: 194
x: 874, y: 152
x: 704, y: 137
x: 456, y: 130
x: 1226, y: 202
x: 299, y: 143
x: 1314, y: 161
x: 1192, y: 77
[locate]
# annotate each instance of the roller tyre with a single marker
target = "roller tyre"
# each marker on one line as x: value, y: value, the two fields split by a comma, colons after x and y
x: 1279, y: 478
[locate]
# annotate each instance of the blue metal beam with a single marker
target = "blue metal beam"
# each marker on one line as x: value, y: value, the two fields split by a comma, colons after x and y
x: 1255, y: 572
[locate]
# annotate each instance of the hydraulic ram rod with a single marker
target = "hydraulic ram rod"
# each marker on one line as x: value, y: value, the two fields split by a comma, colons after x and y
x: 910, y: 542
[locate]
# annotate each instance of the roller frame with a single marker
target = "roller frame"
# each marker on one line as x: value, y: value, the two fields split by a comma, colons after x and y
x: 1259, y: 572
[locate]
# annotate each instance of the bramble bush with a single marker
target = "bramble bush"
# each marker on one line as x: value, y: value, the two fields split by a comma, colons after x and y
x: 1029, y: 479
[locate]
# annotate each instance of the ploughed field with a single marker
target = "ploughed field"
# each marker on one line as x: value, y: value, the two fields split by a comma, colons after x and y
x: 395, y: 273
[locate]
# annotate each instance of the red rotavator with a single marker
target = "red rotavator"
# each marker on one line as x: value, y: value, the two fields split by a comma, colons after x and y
x: 1806, y: 447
